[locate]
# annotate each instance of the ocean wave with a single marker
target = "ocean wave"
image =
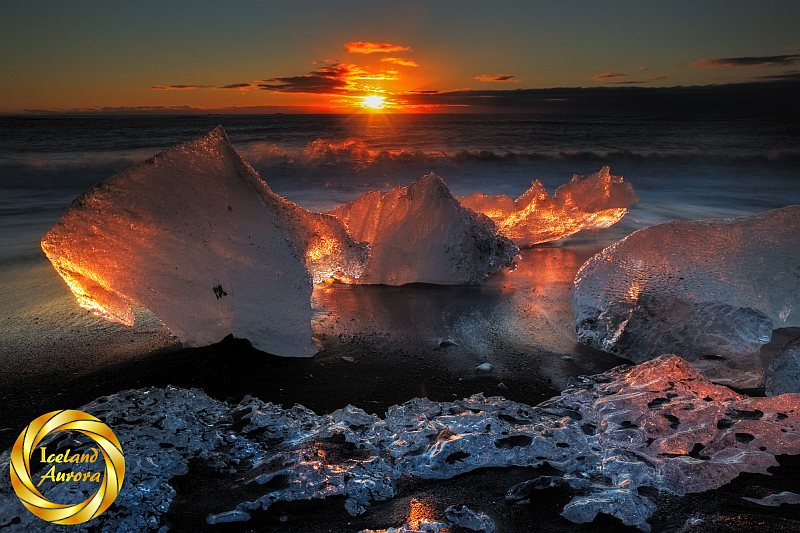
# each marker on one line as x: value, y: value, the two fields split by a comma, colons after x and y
x: 357, y: 153
x: 353, y: 156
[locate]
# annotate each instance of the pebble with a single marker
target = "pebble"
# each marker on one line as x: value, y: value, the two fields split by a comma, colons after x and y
x: 484, y: 368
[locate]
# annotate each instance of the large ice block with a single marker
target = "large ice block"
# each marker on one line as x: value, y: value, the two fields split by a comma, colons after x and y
x: 422, y: 234
x: 595, y: 201
x: 198, y: 238
x: 710, y: 291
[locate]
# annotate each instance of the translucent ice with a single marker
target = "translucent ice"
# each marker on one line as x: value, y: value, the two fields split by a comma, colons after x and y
x: 710, y: 291
x: 595, y: 201
x: 197, y: 237
x: 421, y: 234
x: 658, y: 425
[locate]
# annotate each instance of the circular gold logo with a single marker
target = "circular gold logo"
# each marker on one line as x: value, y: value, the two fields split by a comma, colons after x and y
x: 110, y: 481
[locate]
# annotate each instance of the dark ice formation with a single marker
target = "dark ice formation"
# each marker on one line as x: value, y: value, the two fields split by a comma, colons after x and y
x: 783, y: 374
x: 659, y: 424
x: 711, y: 291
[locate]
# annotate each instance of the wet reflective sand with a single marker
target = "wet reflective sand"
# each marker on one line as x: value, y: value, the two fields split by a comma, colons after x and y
x: 379, y: 345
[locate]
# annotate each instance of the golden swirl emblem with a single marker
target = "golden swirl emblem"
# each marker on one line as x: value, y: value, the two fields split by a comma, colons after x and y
x: 112, y: 477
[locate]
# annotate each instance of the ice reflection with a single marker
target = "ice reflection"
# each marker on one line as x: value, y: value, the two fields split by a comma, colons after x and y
x: 515, y: 320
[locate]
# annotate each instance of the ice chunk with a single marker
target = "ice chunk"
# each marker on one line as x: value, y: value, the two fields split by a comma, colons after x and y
x: 227, y: 517
x: 197, y: 237
x: 776, y: 500
x: 710, y: 291
x: 466, y: 518
x: 783, y: 374
x: 421, y: 234
x: 595, y: 201
x: 659, y: 425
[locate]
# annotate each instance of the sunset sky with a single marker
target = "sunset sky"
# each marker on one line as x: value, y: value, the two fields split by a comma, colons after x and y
x: 410, y: 56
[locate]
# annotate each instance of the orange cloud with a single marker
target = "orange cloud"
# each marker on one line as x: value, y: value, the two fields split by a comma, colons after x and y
x: 608, y: 75
x: 399, y: 61
x: 367, y: 47
x: 497, y: 78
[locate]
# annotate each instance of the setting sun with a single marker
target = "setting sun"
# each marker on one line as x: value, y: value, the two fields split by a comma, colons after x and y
x: 373, y: 102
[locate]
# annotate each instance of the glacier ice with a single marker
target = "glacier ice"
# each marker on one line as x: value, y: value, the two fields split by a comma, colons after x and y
x: 658, y: 425
x: 421, y: 234
x: 594, y: 201
x: 783, y: 373
x: 198, y: 238
x: 710, y: 291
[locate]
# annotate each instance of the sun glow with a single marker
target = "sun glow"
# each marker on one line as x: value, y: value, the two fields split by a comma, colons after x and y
x: 373, y: 102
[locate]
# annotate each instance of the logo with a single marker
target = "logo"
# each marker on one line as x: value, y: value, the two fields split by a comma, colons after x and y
x: 109, y: 479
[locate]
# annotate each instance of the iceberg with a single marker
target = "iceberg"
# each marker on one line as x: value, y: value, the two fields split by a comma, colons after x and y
x: 198, y: 238
x: 422, y: 234
x: 711, y: 291
x: 595, y: 201
x: 618, y: 438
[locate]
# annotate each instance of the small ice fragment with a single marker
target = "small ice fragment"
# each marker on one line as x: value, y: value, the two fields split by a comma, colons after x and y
x: 447, y: 341
x: 566, y: 358
x: 468, y: 519
x: 595, y: 201
x: 227, y: 516
x: 484, y: 368
x: 775, y: 500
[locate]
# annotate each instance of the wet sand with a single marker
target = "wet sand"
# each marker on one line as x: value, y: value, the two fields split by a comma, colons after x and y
x: 380, y: 346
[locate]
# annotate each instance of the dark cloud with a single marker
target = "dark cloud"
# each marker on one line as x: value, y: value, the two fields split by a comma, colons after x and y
x: 747, y: 61
x: 499, y: 78
x: 640, y: 82
x: 240, y: 86
x: 776, y: 96
x: 181, y: 87
x: 332, y: 79
x: 788, y: 75
x: 329, y: 79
